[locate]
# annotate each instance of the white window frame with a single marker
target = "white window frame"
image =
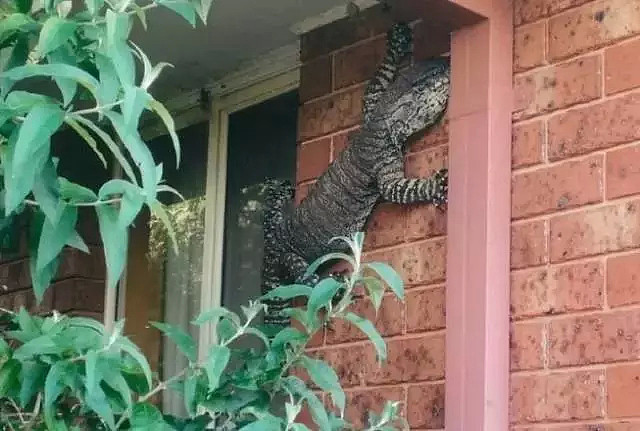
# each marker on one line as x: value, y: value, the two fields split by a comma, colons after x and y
x: 267, y: 77
x: 222, y: 108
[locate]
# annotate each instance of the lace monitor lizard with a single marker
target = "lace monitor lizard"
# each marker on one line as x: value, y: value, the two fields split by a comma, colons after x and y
x: 397, y: 104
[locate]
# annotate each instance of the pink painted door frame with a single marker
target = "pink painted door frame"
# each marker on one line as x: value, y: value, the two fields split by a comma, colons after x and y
x: 478, y: 248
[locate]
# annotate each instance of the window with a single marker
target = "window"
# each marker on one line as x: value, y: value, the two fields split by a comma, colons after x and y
x: 252, y: 136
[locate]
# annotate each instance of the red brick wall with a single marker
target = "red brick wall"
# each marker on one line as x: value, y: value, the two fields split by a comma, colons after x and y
x: 575, y: 341
x: 78, y: 287
x: 337, y: 62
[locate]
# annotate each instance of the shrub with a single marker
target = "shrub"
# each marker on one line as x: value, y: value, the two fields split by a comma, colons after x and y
x: 60, y: 372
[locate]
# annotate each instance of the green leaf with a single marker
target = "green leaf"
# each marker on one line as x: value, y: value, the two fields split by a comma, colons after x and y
x: 12, y: 24
x: 166, y: 118
x: 32, y: 377
x: 97, y: 401
x: 190, y: 393
x: 140, y: 154
x: 68, y: 87
x: 9, y: 374
x: 135, y: 101
x: 46, y: 192
x: 216, y: 363
x: 23, y: 101
x: 84, y: 134
x: 113, y: 147
x: 259, y: 334
x: 75, y: 193
x: 31, y: 151
x: 134, y: 351
x: 288, y: 292
x: 376, y: 291
x: 288, y: 335
x: 118, y: 28
x: 202, y: 8
x: 313, y: 267
x: 322, y: 294
x: 390, y: 276
x: 145, y: 416
x: 55, y: 32
x: 42, y: 345
x: 159, y: 211
x: 216, y: 314
x: 109, y: 82
x: 326, y: 379
x: 182, y: 8
x: 299, y: 427
x: 115, y: 240
x: 54, y: 71
x: 40, y: 279
x: 183, y: 341
x: 55, y: 236
x: 131, y: 199
x: 370, y: 331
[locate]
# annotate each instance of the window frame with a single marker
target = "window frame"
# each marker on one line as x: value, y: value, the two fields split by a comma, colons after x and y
x: 263, y: 79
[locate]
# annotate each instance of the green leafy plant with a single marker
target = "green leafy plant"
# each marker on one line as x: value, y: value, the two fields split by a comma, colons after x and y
x: 72, y: 66
x: 63, y: 373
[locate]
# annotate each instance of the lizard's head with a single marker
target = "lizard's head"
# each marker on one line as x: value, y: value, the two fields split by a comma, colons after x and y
x: 416, y: 100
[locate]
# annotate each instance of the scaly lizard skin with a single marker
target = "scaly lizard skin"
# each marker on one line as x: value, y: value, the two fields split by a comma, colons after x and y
x: 397, y: 104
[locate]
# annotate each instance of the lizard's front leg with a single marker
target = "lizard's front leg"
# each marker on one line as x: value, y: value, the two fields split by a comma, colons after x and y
x: 395, y: 187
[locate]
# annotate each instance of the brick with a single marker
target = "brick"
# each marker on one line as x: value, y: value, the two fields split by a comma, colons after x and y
x: 526, y: 144
x: 81, y: 295
x: 361, y: 403
x: 75, y: 263
x: 627, y: 425
x: 358, y: 63
x: 315, y: 78
x: 623, y: 390
x: 425, y: 405
x: 595, y: 231
x: 623, y: 280
x: 532, y: 10
x: 593, y: 339
x: 562, y: 186
x: 389, y: 321
x: 592, y: 26
x: 339, y: 143
x: 530, y: 293
x: 302, y: 190
x: 313, y: 159
x: 594, y: 127
x: 424, y: 221
x: 528, y: 397
x: 425, y: 163
x: 419, y: 263
x: 577, y: 287
x: 344, y: 32
x: 330, y: 114
x: 529, y: 46
x: 555, y: 87
x: 528, y: 244
x: 557, y: 397
x: 410, y: 360
x: 574, y: 287
x: 350, y: 363
x: 527, y: 346
x: 621, y: 65
x: 437, y: 135
x: 385, y: 226
x: 578, y: 395
x: 426, y: 309
x: 15, y: 275
x: 623, y: 172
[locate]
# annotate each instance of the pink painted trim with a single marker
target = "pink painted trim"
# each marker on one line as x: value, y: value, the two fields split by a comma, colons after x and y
x: 477, y: 352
